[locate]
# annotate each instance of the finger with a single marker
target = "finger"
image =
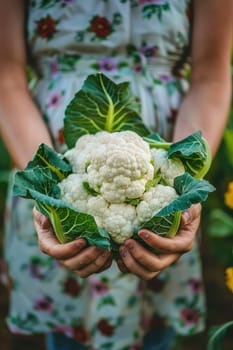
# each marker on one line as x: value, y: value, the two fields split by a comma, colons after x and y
x: 102, y: 262
x: 36, y: 214
x: 122, y: 266
x: 48, y: 242
x: 149, y: 260
x: 49, y: 245
x: 84, y: 258
x: 181, y: 243
x: 106, y: 265
x: 40, y: 221
x: 184, y: 239
x: 134, y: 266
x: 191, y: 214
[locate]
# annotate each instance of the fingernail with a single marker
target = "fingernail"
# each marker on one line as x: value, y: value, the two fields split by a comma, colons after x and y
x: 124, y: 252
x: 81, y: 244
x: 105, y: 253
x: 41, y: 219
x: 130, y: 246
x: 44, y: 223
x: 186, y: 217
x: 143, y: 234
x: 99, y: 249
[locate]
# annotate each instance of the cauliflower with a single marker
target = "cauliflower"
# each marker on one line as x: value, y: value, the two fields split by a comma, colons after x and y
x: 73, y: 191
x: 112, y: 182
x: 119, y: 220
x: 79, y: 157
x: 169, y: 168
x: 111, y: 172
x: 154, y: 200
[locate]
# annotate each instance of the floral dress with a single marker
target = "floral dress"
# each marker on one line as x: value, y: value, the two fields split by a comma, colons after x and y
x: 146, y: 43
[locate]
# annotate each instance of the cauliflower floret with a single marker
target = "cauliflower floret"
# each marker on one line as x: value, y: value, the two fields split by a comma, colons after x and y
x: 106, y: 155
x: 97, y: 207
x: 73, y: 192
x: 172, y: 169
x: 84, y: 141
x: 159, y: 157
x: 118, y: 192
x: 132, y: 137
x: 104, y: 137
x: 120, y: 158
x: 119, y: 220
x: 169, y: 168
x: 80, y: 156
x: 154, y: 200
x: 121, y: 167
x: 112, y: 194
x: 118, y: 165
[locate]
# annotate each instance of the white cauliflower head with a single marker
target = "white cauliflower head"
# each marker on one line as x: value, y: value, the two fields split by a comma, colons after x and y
x: 117, y: 167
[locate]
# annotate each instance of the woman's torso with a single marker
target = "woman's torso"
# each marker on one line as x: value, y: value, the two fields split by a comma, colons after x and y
x: 144, y: 42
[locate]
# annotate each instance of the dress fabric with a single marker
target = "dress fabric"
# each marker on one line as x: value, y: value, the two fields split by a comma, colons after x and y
x: 143, y: 42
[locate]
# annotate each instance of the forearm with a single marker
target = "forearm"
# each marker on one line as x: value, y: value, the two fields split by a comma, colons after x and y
x: 205, y: 108
x: 21, y: 125
x: 206, y: 105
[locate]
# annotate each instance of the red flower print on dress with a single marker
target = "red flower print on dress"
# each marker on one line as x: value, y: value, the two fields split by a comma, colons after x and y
x: 195, y: 285
x: 80, y: 333
x: 189, y: 316
x: 98, y: 288
x: 60, y: 136
x: 46, y: 27
x: 100, y: 26
x: 105, y: 327
x: 44, y: 303
x: 71, y: 287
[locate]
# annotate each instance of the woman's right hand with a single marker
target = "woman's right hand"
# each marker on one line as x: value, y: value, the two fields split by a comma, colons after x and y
x: 75, y: 255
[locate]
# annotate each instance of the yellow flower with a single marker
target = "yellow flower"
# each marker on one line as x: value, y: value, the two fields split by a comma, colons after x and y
x: 229, y: 278
x: 228, y: 197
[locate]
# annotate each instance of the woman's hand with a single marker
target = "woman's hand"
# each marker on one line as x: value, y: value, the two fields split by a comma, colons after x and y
x: 74, y: 255
x: 145, y: 264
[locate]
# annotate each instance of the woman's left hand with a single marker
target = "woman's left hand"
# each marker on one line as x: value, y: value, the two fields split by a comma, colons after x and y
x: 145, y: 264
